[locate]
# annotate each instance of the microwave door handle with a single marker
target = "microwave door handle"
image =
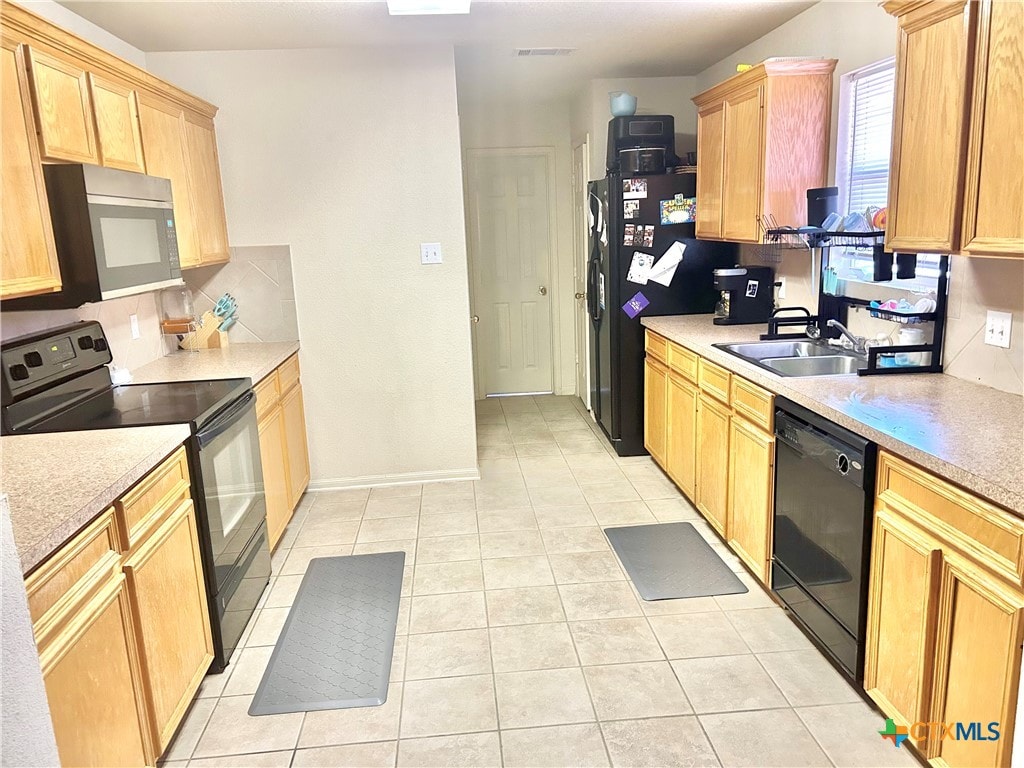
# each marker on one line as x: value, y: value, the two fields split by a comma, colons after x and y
x: 227, y: 419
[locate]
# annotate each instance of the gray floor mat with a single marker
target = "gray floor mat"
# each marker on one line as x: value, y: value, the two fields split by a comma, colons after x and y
x: 672, y: 560
x: 335, y: 648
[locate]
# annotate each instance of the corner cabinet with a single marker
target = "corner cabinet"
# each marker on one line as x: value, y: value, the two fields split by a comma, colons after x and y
x: 81, y: 104
x: 282, y: 429
x: 762, y: 141
x: 714, y: 429
x: 122, y: 625
x: 945, y: 610
x: 29, y: 264
x: 955, y: 181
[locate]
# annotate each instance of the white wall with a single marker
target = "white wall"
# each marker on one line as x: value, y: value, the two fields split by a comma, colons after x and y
x: 62, y: 17
x: 352, y: 157
x: 514, y: 125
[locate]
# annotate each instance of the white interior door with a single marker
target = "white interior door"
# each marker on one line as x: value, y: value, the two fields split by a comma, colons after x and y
x: 511, y: 218
x: 580, y: 230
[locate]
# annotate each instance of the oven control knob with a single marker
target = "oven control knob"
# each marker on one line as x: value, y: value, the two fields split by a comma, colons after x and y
x: 19, y: 372
x: 33, y: 359
x: 100, y: 345
x: 843, y: 464
x: 85, y: 342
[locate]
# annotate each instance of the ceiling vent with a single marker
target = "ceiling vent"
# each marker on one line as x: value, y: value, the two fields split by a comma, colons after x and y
x: 544, y: 51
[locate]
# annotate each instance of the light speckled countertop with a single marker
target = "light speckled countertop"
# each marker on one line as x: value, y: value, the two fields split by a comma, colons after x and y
x: 58, y: 483
x: 236, y: 361
x: 971, y: 434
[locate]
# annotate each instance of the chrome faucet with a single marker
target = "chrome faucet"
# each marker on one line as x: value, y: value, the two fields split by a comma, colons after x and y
x: 860, y: 344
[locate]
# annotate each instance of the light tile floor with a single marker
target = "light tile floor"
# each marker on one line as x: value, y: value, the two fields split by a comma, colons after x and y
x: 521, y: 643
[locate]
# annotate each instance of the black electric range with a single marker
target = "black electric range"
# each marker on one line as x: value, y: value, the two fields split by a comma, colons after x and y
x: 58, y: 381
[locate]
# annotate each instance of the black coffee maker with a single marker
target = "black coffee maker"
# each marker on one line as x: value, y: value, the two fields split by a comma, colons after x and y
x: 748, y: 295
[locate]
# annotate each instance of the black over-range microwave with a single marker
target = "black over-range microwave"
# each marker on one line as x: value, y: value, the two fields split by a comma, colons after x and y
x: 115, y: 235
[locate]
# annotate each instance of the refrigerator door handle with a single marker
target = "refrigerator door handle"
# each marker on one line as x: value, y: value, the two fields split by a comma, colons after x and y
x: 592, y: 298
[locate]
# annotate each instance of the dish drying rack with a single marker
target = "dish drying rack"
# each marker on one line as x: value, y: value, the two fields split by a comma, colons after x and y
x: 831, y: 306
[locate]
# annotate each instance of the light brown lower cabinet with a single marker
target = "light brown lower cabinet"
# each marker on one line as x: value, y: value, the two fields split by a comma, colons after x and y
x: 719, y: 448
x: 283, y: 448
x: 945, y: 613
x: 121, y: 623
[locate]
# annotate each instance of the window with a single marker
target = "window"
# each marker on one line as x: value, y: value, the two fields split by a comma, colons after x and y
x: 865, y: 133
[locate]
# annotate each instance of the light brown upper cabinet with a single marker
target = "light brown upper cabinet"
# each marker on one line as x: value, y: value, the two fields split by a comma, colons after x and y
x: 29, y: 257
x: 762, y: 141
x: 163, y: 136
x: 63, y: 107
x: 205, y: 186
x: 117, y: 124
x: 955, y: 183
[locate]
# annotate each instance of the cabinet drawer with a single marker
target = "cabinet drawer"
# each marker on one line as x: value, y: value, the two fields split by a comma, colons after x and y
x: 656, y: 346
x: 71, y: 570
x: 990, y: 536
x: 268, y: 392
x: 682, y: 361
x: 288, y: 373
x: 752, y: 403
x: 714, y: 380
x: 147, y: 503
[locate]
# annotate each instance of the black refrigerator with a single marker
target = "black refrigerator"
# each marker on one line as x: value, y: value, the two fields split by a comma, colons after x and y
x: 618, y: 298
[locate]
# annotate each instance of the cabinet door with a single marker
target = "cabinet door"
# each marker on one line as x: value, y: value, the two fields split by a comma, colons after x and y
x: 163, y: 142
x: 206, y: 190
x: 713, y: 462
x: 902, y: 600
x: 274, y: 452
x: 977, y: 665
x: 93, y: 685
x: 744, y: 166
x: 29, y: 256
x: 933, y: 69
x: 710, y: 161
x: 295, y: 440
x: 994, y: 194
x: 655, y: 416
x: 681, y: 441
x: 63, y: 106
x: 117, y: 124
x: 168, y: 594
x: 751, y: 462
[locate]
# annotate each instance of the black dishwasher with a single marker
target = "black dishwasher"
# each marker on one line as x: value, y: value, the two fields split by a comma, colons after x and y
x: 824, y: 491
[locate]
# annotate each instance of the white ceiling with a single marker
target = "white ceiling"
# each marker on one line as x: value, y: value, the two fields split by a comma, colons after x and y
x: 614, y: 38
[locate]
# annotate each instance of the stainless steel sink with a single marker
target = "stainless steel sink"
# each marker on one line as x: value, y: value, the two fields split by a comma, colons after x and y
x: 797, y: 358
x: 761, y: 350
x: 825, y: 365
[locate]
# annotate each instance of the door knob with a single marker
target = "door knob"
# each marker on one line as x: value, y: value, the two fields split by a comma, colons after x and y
x: 475, y: 318
x: 543, y: 291
x: 581, y: 296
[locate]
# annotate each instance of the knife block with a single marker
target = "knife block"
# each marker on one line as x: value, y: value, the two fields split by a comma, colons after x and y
x: 207, y: 336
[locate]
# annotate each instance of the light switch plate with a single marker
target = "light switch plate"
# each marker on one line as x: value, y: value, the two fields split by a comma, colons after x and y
x: 430, y: 253
x: 997, y: 329
x: 133, y: 320
x: 782, y: 288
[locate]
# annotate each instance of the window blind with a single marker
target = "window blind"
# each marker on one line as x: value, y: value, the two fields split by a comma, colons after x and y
x: 863, y: 163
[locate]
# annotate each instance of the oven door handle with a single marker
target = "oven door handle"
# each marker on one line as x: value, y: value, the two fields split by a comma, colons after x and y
x: 227, y: 419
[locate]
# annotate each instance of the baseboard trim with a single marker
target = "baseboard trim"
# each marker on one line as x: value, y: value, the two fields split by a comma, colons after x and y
x: 403, y: 478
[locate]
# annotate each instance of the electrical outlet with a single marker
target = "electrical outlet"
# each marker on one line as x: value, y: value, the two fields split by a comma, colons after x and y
x: 430, y: 253
x: 997, y: 329
x: 782, y: 287
x: 133, y: 320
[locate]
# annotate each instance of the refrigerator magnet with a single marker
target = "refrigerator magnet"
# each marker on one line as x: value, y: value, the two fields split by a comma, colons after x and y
x: 678, y: 210
x: 635, y: 305
x: 629, y: 235
x: 640, y: 268
x: 648, y: 237
x: 634, y: 189
x: 631, y: 209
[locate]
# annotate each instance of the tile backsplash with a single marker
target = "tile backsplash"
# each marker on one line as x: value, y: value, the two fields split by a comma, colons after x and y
x: 259, y: 277
x: 976, y: 285
x: 113, y: 315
